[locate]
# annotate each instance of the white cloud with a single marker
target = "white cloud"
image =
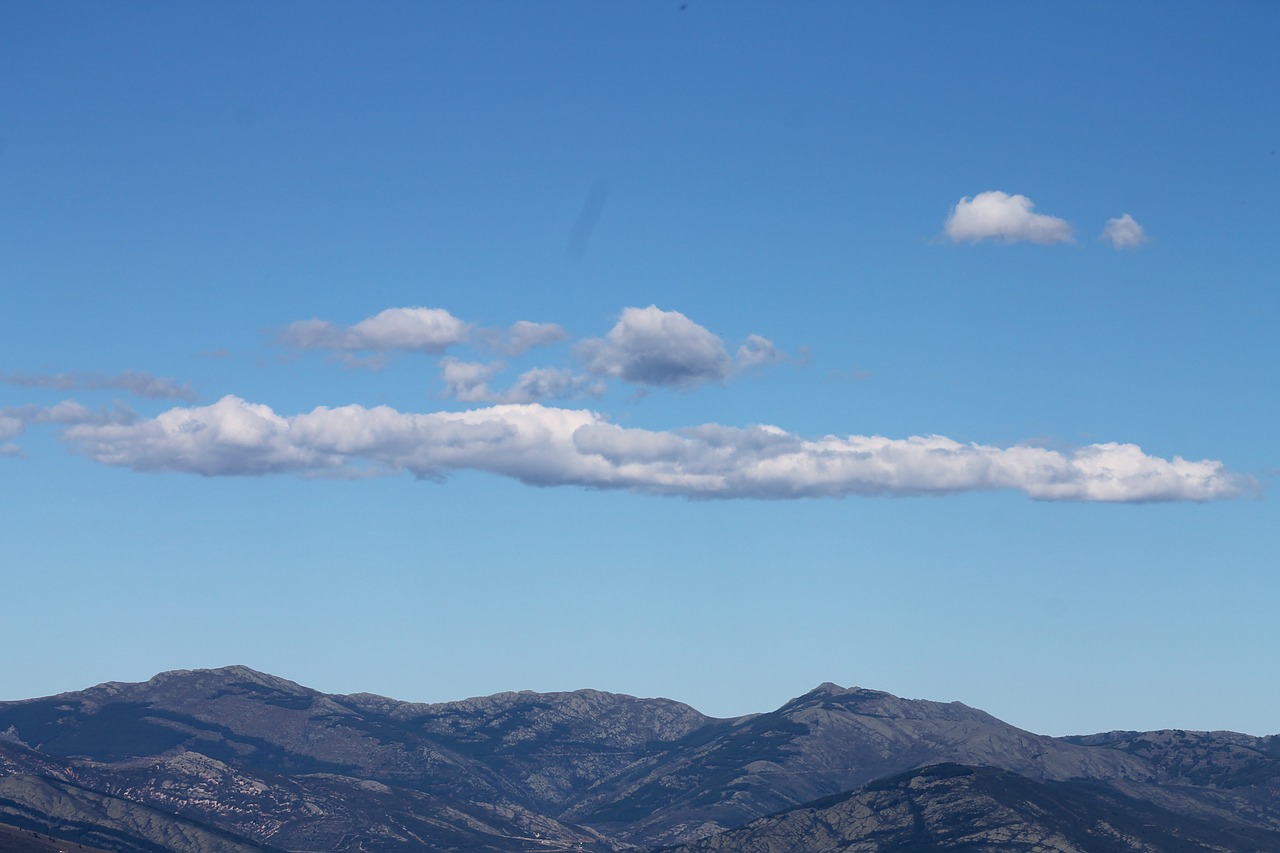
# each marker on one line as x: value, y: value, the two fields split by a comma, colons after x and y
x: 649, y: 346
x: 757, y: 350
x: 652, y: 347
x: 551, y: 383
x: 14, y: 420
x: 552, y: 446
x: 1124, y: 233
x: 133, y: 381
x: 429, y: 330
x: 996, y: 215
x: 469, y: 381
x: 230, y: 437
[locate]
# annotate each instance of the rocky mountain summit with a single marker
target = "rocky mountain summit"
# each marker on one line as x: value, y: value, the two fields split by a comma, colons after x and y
x: 236, y: 760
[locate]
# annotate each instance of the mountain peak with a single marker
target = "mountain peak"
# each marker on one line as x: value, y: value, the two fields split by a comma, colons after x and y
x: 830, y: 688
x: 241, y: 674
x: 191, y: 682
x: 878, y: 703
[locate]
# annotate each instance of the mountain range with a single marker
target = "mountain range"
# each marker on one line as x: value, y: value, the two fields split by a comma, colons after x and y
x: 232, y: 760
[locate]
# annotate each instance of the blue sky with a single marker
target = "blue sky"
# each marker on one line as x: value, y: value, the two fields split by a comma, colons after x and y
x: 705, y: 350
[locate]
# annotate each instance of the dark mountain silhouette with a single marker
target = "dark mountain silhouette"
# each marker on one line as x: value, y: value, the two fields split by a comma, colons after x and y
x: 236, y: 760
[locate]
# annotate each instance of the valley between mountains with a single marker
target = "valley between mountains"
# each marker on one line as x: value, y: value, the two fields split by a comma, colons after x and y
x: 232, y: 760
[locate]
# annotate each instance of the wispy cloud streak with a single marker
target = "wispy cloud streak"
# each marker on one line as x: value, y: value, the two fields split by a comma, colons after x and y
x: 134, y: 382
x: 524, y: 335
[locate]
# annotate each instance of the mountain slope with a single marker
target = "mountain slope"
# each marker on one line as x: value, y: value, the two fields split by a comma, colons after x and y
x: 254, y: 760
x: 950, y: 807
x: 273, y: 761
x: 829, y: 740
x: 15, y: 840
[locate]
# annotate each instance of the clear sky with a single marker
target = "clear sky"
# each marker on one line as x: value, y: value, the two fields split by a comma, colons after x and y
x: 701, y: 350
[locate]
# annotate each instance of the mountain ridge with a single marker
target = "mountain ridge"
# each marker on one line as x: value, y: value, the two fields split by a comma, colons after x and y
x: 270, y: 762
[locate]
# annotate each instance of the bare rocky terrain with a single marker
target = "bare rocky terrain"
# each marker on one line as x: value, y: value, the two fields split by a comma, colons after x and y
x: 236, y: 760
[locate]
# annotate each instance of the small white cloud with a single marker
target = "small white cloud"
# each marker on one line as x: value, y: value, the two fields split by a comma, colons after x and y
x: 551, y: 383
x: 429, y: 330
x: 996, y: 215
x: 1124, y: 233
x: 757, y: 350
x: 554, y: 447
x: 468, y: 381
x: 652, y: 347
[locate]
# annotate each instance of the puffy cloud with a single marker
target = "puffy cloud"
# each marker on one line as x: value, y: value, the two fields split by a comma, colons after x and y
x: 233, y: 437
x: 996, y: 215
x: 652, y: 347
x: 134, y: 382
x: 430, y: 330
x: 469, y: 381
x: 552, y: 446
x: 228, y: 437
x: 1124, y: 233
x: 649, y: 346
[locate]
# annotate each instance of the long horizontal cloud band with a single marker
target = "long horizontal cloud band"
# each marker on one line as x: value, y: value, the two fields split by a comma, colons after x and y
x: 547, y: 446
